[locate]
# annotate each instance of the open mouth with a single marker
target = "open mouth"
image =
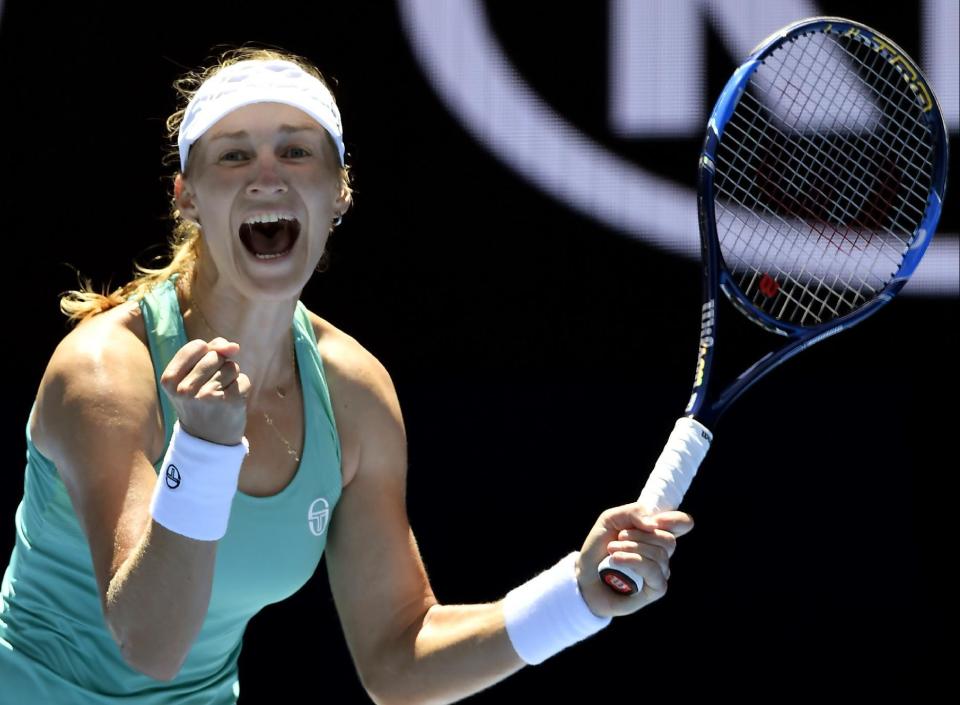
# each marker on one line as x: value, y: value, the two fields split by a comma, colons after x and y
x: 270, y: 240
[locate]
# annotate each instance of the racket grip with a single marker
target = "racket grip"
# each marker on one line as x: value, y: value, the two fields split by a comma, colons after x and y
x: 664, y: 490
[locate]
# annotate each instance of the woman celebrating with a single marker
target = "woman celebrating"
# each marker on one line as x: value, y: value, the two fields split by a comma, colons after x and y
x: 200, y: 438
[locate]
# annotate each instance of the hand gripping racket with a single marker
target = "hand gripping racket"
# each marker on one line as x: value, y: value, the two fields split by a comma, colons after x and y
x: 820, y: 185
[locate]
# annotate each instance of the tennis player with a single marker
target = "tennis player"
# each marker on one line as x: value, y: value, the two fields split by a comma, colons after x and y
x: 200, y: 437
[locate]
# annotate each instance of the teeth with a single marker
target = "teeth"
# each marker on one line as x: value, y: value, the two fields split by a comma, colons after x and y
x: 271, y: 217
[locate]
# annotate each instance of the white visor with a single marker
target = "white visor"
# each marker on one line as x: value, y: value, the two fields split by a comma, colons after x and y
x: 258, y: 81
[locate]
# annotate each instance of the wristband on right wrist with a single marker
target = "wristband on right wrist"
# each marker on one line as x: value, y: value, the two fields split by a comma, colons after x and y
x: 547, y: 613
x: 196, y: 485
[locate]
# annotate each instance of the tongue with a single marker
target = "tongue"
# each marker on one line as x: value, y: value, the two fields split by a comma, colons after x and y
x: 267, y: 238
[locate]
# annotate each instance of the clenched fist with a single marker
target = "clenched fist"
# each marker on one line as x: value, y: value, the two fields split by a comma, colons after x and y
x: 633, y: 538
x: 208, y: 390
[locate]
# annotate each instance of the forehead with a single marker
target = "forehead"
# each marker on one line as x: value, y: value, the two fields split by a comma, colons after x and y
x: 262, y: 119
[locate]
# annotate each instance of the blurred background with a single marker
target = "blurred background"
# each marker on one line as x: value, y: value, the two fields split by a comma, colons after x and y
x: 522, y: 257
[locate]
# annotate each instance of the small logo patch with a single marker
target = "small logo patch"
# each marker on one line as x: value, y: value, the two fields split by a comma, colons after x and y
x: 318, y: 515
x: 769, y: 286
x: 173, y: 477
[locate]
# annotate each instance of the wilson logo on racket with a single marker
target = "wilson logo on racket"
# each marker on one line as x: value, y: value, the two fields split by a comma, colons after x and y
x: 709, y: 312
x: 902, y: 65
x: 769, y: 286
x: 707, y: 319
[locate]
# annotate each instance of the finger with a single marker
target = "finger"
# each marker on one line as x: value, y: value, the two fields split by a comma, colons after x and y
x: 239, y: 388
x: 677, y: 523
x: 187, y: 357
x: 205, y: 368
x: 634, y: 517
x: 219, y: 380
x: 648, y: 569
x: 182, y: 363
x: 658, y: 553
x: 627, y: 516
x: 224, y: 346
x: 637, y: 516
x: 227, y: 374
x: 655, y: 553
x: 657, y: 537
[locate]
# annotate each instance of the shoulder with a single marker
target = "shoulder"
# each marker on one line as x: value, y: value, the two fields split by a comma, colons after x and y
x: 102, y: 367
x: 344, y: 357
x: 364, y: 398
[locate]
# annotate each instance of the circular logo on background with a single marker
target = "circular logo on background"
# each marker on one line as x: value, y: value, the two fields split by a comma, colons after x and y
x: 173, y: 477
x: 469, y: 67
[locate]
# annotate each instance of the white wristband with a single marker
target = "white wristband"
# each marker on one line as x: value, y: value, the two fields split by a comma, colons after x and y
x: 547, y: 614
x: 196, y: 485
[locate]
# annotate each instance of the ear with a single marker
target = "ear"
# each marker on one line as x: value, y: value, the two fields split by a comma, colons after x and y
x: 183, y: 195
x: 341, y: 204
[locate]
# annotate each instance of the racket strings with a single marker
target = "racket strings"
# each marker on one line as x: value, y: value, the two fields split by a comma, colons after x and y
x: 850, y: 178
x: 904, y: 120
x: 806, y: 252
x: 764, y: 254
x: 822, y: 176
x: 821, y: 217
x: 813, y: 207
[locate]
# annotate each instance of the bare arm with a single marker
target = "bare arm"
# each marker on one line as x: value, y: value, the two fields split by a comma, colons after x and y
x: 153, y: 638
x: 96, y: 419
x: 408, y: 648
x: 456, y: 651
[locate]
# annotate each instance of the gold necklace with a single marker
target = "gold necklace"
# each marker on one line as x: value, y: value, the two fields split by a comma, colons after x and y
x: 280, y: 391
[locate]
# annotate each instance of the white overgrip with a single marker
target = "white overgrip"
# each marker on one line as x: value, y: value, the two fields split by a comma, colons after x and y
x: 675, y: 468
x: 669, y: 481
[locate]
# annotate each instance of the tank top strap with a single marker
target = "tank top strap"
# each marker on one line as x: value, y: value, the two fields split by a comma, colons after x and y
x: 312, y: 372
x: 165, y: 335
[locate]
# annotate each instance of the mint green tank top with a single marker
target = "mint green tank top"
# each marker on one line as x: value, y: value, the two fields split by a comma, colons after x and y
x: 54, y: 643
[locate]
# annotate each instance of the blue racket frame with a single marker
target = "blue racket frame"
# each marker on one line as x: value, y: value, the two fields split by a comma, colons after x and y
x: 716, y: 276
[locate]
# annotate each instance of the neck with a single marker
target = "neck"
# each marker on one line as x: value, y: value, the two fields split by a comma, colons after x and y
x: 261, y: 328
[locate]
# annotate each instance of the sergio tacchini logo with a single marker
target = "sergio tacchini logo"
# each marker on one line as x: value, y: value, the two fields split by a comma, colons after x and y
x: 318, y: 515
x: 173, y: 477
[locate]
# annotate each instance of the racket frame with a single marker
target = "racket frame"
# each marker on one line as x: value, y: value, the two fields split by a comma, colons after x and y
x: 716, y: 275
x: 690, y: 440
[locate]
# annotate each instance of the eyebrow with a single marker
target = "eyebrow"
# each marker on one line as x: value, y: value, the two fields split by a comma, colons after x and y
x: 285, y: 129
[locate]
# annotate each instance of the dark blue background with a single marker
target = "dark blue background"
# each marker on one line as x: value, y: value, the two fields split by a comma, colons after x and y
x: 540, y: 359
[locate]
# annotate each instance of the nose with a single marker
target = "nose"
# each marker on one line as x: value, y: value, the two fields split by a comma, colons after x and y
x: 266, y: 179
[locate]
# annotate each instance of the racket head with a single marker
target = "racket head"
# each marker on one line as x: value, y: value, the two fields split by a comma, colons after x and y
x: 821, y: 182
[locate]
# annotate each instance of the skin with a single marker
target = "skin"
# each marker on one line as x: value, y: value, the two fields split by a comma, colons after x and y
x: 407, y: 647
x: 230, y: 178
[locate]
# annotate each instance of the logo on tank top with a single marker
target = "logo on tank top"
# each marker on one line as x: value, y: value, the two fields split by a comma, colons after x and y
x: 318, y: 515
x: 173, y: 477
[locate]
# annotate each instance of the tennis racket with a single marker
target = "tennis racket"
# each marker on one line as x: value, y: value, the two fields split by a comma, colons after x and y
x: 820, y: 183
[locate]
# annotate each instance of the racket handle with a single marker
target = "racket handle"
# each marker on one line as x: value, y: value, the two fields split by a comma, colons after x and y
x: 668, y: 483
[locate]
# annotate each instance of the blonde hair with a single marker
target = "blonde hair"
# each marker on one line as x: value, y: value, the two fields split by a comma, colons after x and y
x: 184, y: 242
